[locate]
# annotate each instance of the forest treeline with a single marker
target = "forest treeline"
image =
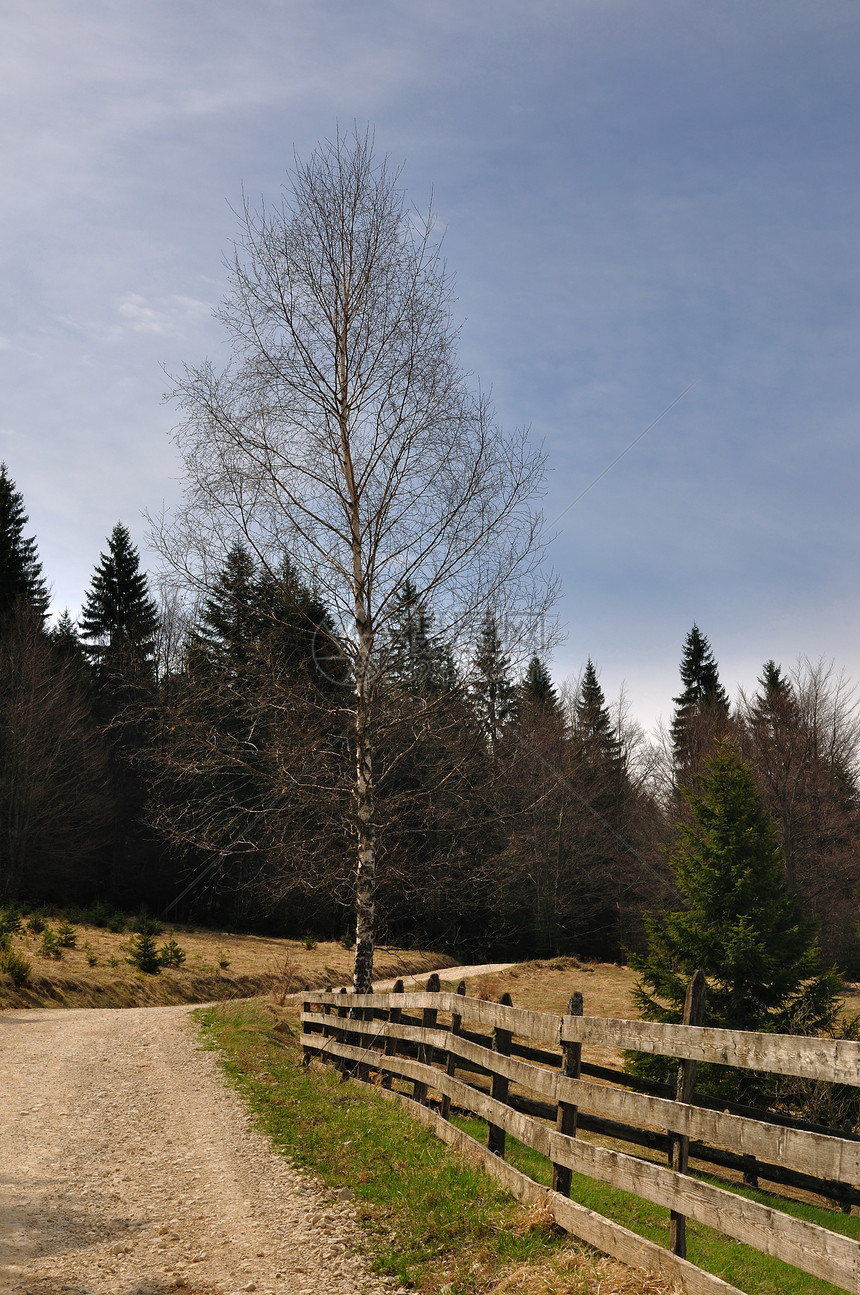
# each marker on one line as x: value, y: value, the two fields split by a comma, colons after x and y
x: 191, y: 753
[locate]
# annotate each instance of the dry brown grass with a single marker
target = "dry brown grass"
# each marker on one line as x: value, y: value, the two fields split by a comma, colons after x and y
x: 254, y: 965
x: 577, y: 1270
x: 546, y: 985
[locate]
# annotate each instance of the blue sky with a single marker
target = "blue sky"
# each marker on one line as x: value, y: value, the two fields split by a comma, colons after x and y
x: 637, y: 198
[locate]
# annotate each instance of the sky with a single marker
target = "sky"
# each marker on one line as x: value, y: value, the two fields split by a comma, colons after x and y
x: 651, y: 212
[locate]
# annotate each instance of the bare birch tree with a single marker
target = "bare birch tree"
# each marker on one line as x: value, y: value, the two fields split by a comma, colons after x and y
x: 345, y: 433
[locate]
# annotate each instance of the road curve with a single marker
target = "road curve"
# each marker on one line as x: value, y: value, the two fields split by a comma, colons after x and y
x: 128, y: 1167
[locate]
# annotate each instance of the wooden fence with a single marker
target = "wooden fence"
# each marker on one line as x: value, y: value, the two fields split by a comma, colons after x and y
x: 527, y: 1078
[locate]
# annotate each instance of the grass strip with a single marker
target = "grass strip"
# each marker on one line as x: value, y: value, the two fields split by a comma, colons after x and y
x: 740, y: 1264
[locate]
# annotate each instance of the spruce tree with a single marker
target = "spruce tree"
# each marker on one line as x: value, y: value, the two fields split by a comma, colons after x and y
x: 296, y: 631
x: 255, y: 621
x: 593, y: 723
x: 20, y: 569
x: 229, y: 623
x: 774, y: 702
x: 602, y: 807
x: 702, y: 706
x: 69, y: 652
x: 741, y: 925
x: 418, y: 661
x: 537, y: 686
x: 492, y: 692
x: 801, y: 739
x: 119, y: 618
x: 118, y: 624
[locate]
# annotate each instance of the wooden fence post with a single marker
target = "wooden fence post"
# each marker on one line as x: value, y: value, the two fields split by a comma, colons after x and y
x: 845, y: 1201
x: 451, y: 1063
x: 501, y: 1045
x: 425, y: 1052
x: 565, y: 1122
x: 306, y: 1056
x: 342, y: 1064
x: 365, y: 1041
x: 391, y: 1043
x: 679, y: 1144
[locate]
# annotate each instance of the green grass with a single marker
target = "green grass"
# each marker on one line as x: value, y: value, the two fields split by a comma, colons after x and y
x: 430, y: 1218
x: 435, y: 1222
x: 743, y: 1266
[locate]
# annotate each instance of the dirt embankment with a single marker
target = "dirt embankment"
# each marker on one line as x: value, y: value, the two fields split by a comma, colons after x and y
x: 96, y: 971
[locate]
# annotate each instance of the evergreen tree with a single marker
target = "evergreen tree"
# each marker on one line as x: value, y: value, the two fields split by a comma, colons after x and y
x: 601, y: 817
x: 243, y: 771
x: 418, y: 662
x: 593, y: 723
x: 492, y: 692
x: 775, y: 694
x: 20, y: 569
x: 119, y: 623
x: 537, y: 686
x: 229, y: 623
x: 120, y: 618
x: 54, y: 798
x: 702, y: 707
x: 296, y: 631
x: 741, y: 924
x: 67, y: 645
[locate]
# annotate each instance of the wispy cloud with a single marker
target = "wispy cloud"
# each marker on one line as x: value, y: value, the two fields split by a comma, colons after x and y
x: 166, y: 316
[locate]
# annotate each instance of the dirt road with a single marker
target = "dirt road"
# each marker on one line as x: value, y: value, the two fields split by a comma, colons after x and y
x: 127, y: 1167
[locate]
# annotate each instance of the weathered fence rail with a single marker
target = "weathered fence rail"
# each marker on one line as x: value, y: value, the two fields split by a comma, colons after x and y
x: 538, y: 1089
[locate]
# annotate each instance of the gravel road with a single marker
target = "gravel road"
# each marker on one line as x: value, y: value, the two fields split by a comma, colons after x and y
x: 129, y: 1168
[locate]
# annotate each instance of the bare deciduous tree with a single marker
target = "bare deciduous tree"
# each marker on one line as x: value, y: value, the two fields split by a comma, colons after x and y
x: 346, y: 434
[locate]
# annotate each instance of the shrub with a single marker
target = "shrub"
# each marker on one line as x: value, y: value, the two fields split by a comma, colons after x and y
x: 143, y: 953
x: 50, y: 946
x: 98, y: 914
x: 171, y: 954
x: 116, y: 923
x: 10, y: 921
x: 66, y: 936
x: 347, y: 940
x: 91, y: 955
x: 36, y: 922
x: 146, y: 925
x: 16, y: 966
x: 223, y: 960
x: 309, y: 941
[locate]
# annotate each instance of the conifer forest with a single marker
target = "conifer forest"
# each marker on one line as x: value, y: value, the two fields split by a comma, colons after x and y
x: 190, y: 752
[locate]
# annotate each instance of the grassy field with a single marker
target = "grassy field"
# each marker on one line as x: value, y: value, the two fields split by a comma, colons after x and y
x: 95, y: 971
x: 546, y: 986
